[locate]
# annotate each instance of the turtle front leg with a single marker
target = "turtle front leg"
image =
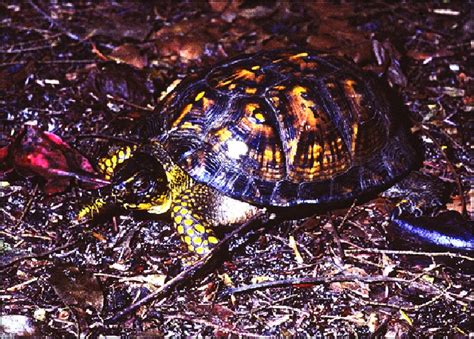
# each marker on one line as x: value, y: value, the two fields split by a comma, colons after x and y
x: 192, y: 220
x: 198, y: 209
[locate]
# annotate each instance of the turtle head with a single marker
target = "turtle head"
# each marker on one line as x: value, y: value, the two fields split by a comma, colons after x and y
x: 138, y: 183
x: 141, y: 183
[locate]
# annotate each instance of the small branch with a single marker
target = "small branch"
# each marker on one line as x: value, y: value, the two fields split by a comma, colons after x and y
x: 405, y: 307
x: 19, y: 286
x: 106, y: 137
x: 131, y: 104
x: 313, y: 281
x: 451, y: 167
x: 54, y: 22
x: 335, y: 231
x: 27, y: 207
x: 192, y: 271
x: 36, y: 256
x: 50, y: 62
x: 24, y: 50
x: 401, y: 252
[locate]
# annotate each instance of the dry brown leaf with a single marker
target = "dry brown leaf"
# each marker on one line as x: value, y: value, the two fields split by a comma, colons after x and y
x: 129, y: 54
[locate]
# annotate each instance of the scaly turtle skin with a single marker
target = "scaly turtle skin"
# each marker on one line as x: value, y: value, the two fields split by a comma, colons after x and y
x: 272, y: 129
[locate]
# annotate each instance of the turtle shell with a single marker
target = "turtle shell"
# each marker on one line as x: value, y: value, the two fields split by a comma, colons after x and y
x: 283, y: 128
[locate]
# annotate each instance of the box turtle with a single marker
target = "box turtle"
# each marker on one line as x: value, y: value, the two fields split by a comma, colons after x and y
x: 275, y: 129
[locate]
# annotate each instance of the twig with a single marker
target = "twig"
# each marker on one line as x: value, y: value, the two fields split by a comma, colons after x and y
x: 313, y: 281
x: 49, y: 62
x: 27, y: 207
x: 451, y: 167
x: 404, y: 308
x: 192, y: 271
x: 335, y: 231
x: 402, y: 252
x: 19, y: 286
x: 38, y: 255
x: 54, y: 22
x: 106, y: 137
x: 24, y: 50
x: 131, y: 104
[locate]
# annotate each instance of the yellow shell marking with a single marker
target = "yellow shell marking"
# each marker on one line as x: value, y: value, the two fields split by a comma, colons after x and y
x: 351, y: 92
x: 251, y: 107
x: 240, y: 74
x: 299, y: 55
x: 190, y: 125
x: 355, y: 130
x: 255, y: 68
x: 251, y: 90
x: 314, y: 160
x: 268, y: 154
x: 251, y: 116
x: 199, y: 96
x: 223, y: 134
x: 185, y: 111
x: 260, y: 117
x: 245, y: 74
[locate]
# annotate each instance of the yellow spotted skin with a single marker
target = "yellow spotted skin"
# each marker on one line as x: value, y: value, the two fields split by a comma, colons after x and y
x: 107, y: 164
x: 194, y: 230
x: 92, y: 209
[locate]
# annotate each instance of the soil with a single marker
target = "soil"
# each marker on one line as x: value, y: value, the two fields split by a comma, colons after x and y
x: 76, y: 79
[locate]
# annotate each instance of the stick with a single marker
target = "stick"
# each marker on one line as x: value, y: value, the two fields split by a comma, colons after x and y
x: 313, y: 281
x: 191, y: 271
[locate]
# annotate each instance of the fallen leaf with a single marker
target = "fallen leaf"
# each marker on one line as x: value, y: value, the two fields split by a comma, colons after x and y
x: 129, y: 54
x: 354, y: 286
x: 218, y: 5
x: 77, y: 288
x: 117, y: 81
x: 38, y: 153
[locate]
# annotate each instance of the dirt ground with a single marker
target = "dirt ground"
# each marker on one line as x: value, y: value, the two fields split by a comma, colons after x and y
x: 77, y: 79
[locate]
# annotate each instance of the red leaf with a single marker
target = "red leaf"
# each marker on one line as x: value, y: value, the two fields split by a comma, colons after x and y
x: 35, y: 152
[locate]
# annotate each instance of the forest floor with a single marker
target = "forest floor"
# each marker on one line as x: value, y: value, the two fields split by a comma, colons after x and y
x: 88, y: 72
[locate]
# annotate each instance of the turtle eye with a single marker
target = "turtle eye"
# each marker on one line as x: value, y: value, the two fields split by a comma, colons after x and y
x: 141, y: 183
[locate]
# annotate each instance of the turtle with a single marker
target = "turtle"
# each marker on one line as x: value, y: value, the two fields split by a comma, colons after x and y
x: 275, y: 129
